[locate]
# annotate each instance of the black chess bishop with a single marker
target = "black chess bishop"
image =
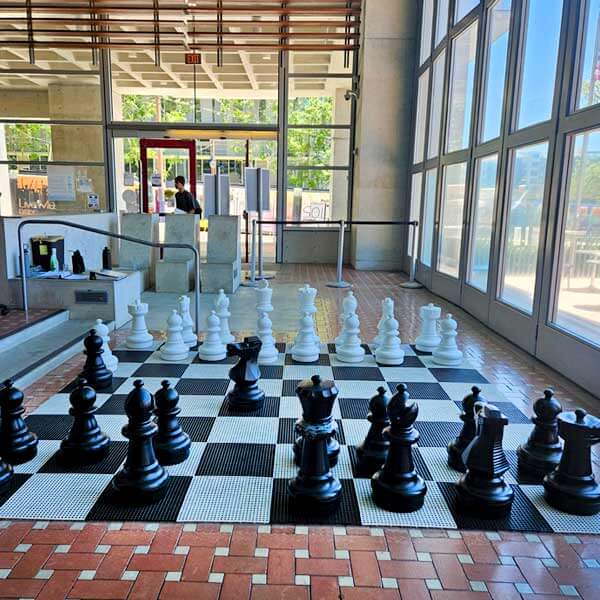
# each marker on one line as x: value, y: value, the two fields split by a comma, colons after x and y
x: 571, y: 487
x: 542, y: 451
x: 397, y: 487
x: 171, y: 443
x: 246, y: 396
x: 94, y: 370
x: 457, y: 446
x: 315, y: 487
x: 85, y: 443
x: 141, y: 480
x: 482, y: 490
x: 17, y: 444
x: 373, y: 451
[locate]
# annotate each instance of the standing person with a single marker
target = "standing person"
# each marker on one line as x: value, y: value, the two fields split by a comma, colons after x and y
x: 184, y: 200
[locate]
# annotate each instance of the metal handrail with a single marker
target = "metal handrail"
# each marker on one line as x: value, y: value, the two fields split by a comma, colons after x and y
x: 118, y: 236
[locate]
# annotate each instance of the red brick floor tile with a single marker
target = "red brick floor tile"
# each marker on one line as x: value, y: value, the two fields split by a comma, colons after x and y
x: 74, y: 560
x: 479, y: 547
x: 440, y: 545
x: 365, y: 568
x: 353, y: 530
x: 50, y: 536
x: 576, y: 577
x: 360, y: 542
x: 13, y: 535
x: 166, y: 538
x: 88, y: 538
x: 236, y: 586
x: 197, y: 564
x: 413, y: 589
x: 147, y: 586
x: 320, y: 542
x: 280, y: 592
x: 502, y: 573
x: 368, y: 593
x: 204, y: 539
x: 400, y: 545
x: 9, y: 559
x: 243, y: 541
x: 458, y: 595
x: 186, y: 590
x: 32, y: 562
x: 128, y: 537
x: 324, y: 588
x: 450, y: 572
x: 537, y: 575
x: 156, y: 562
x: 322, y: 566
x: 283, y: 541
x: 100, y: 590
x: 58, y: 586
x: 503, y: 591
x: 114, y: 563
x: 529, y: 549
x: 20, y: 588
x: 407, y: 569
x: 239, y: 564
x: 281, y: 567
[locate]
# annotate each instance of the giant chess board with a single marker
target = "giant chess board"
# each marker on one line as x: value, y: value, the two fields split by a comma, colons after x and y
x: 240, y: 463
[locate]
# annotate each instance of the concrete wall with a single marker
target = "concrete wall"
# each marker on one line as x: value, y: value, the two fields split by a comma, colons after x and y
x: 317, y: 247
x: 384, y: 130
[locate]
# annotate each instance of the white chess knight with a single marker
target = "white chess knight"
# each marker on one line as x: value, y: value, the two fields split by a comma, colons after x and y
x: 447, y: 353
x: 350, y: 348
x: 264, y: 294
x: 305, y: 347
x: 429, y: 339
x: 389, y: 352
x: 268, y: 352
x: 222, y: 310
x: 174, y: 348
x: 387, y: 310
x: 110, y: 360
x: 183, y: 307
x: 349, y: 307
x: 139, y: 338
x: 212, y: 349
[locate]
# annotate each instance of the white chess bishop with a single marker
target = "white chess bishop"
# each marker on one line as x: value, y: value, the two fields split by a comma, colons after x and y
x: 268, y: 352
x: 447, y: 353
x: 110, y: 360
x: 183, y: 307
x: 212, y: 349
x: 264, y: 295
x: 387, y: 310
x: 174, y: 349
x: 429, y: 339
x: 350, y: 348
x: 305, y: 347
x: 389, y: 352
x: 349, y: 307
x: 139, y: 338
x: 222, y: 310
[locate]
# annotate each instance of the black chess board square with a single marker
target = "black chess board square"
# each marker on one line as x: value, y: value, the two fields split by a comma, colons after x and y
x: 160, y: 370
x: 14, y: 483
x: 280, y: 347
x: 323, y: 361
x: 523, y: 515
x: 523, y: 477
x: 357, y: 374
x: 202, y: 387
x: 419, y: 352
x: 509, y: 410
x: 365, y: 347
x: 116, y: 383
x: 107, y: 466
x: 437, y: 434
x: 49, y: 427
x: 271, y: 372
x: 285, y: 512
x: 359, y: 472
x: 270, y: 408
x: 133, y: 356
x: 289, y: 387
x: 198, y: 428
x: 109, y: 507
x: 241, y: 460
x: 353, y: 408
x: 421, y: 391
x: 286, y: 433
x: 411, y: 361
x: 457, y: 375
x: 115, y: 405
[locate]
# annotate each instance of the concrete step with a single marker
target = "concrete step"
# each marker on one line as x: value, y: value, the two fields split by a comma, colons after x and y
x: 25, y: 333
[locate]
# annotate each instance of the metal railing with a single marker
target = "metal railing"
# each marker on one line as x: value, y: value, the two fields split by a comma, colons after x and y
x: 112, y: 235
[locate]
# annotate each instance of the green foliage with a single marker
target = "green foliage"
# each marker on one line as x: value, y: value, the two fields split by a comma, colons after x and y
x: 28, y: 141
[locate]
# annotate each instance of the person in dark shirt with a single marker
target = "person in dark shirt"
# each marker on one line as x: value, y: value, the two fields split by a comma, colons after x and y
x: 184, y: 199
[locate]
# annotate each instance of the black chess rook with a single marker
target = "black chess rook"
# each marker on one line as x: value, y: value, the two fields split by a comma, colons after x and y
x: 246, y: 396
x: 457, y: 446
x: 94, y: 370
x: 18, y: 445
x: 171, y: 443
x: 374, y: 450
x: 397, y: 487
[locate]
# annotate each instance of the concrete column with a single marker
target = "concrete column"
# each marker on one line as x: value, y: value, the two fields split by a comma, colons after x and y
x: 384, y: 126
x: 341, y: 152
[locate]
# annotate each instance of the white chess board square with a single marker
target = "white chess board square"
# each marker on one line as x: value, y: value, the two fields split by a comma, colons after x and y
x: 228, y: 500
x: 407, y: 374
x: 155, y: 358
x: 244, y: 430
x: 46, y: 449
x: 64, y: 496
x: 457, y: 391
x: 302, y: 372
x: 437, y: 410
x: 112, y: 425
x: 200, y: 406
x: 343, y: 468
x: 515, y: 434
x: 59, y: 404
x: 278, y: 363
x: 205, y: 371
x: 284, y: 466
x: 355, y: 431
x: 189, y: 466
x: 152, y: 384
x: 356, y: 389
x: 126, y: 369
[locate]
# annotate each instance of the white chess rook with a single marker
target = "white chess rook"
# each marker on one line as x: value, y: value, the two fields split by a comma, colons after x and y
x: 264, y: 294
x: 429, y: 339
x: 212, y: 349
x: 183, y: 307
x: 110, y: 360
x: 350, y: 348
x: 268, y: 352
x: 174, y: 349
x: 349, y: 307
x: 222, y: 310
x: 387, y: 310
x: 139, y: 338
x: 305, y: 348
x: 447, y: 353
x: 389, y: 352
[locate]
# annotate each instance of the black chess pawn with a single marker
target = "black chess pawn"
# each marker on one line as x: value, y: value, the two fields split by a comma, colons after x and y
x: 142, y: 479
x: 171, y: 443
x: 315, y: 487
x: 94, y: 370
x: 85, y: 443
x: 482, y: 491
x: 457, y: 446
x: 17, y: 444
x: 396, y: 486
x: 542, y: 451
x: 374, y: 450
x: 571, y: 487
x: 246, y: 396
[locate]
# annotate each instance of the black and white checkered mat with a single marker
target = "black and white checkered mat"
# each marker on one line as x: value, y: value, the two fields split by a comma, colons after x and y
x: 239, y: 464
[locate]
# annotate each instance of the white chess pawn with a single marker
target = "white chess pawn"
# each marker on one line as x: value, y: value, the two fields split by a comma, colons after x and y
x: 349, y: 306
x: 268, y: 352
x: 350, y: 348
x: 110, y: 360
x: 174, y: 348
x: 222, y: 310
x: 183, y: 307
x: 387, y: 310
x: 447, y: 353
x: 305, y: 348
x: 263, y: 297
x: 139, y: 338
x: 212, y: 349
x: 389, y: 352
x: 429, y: 339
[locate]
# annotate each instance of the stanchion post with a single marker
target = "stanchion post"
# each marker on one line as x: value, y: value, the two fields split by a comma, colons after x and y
x: 412, y: 283
x: 252, y: 280
x: 261, y: 273
x: 340, y: 283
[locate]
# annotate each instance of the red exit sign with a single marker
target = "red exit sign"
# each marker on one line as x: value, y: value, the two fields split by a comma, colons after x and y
x: 193, y: 59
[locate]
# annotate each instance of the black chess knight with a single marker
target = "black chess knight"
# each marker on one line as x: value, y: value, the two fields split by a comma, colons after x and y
x: 94, y: 370
x: 246, y: 396
x: 457, y: 446
x: 17, y: 444
x: 171, y: 443
x: 374, y: 450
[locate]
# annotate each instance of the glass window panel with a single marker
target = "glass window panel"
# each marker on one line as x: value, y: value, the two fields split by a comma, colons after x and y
x: 483, y: 221
x: 542, y: 36
x: 495, y: 74
x: 319, y: 101
x: 451, y: 223
x: 415, y: 210
x: 464, y: 7
x: 435, y: 106
x: 420, y: 117
x: 577, y: 307
x: 428, y: 217
x: 441, y: 21
x: 460, y: 102
x: 426, y: 30
x: 523, y: 225
x: 318, y: 147
x: 588, y: 90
